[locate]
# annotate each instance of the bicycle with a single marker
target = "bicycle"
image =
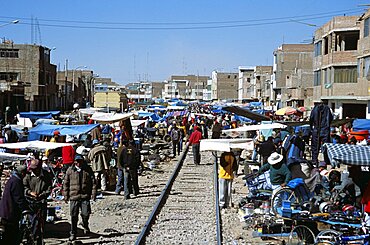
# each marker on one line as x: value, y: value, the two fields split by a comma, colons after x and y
x: 334, y: 237
x: 295, y: 193
x: 32, y: 222
x: 57, y: 184
x: 301, y: 234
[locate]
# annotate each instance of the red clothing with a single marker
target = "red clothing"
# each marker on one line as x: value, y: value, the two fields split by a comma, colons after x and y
x: 195, y: 137
x: 68, y: 155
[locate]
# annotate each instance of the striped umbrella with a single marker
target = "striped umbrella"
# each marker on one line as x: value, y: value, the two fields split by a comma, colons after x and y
x: 285, y: 111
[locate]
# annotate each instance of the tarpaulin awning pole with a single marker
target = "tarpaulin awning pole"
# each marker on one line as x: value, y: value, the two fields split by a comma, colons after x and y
x: 246, y: 113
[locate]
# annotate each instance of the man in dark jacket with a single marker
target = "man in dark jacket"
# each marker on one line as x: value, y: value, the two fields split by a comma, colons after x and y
x: 37, y: 183
x: 79, y: 187
x: 11, y: 206
x: 320, y: 120
x: 266, y: 148
x: 130, y: 160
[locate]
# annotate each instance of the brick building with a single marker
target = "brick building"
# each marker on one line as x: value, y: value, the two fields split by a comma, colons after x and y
x: 292, y: 78
x: 27, y: 79
x: 75, y: 86
x: 225, y: 86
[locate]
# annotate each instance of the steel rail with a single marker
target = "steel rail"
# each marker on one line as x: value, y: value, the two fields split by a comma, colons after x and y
x: 217, y: 202
x: 161, y: 200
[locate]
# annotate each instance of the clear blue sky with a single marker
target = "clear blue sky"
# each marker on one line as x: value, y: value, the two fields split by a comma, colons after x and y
x: 157, y: 53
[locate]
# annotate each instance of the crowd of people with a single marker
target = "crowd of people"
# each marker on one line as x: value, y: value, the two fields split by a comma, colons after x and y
x: 85, y: 166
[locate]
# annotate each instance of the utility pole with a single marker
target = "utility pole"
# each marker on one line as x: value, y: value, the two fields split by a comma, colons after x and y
x: 65, y: 85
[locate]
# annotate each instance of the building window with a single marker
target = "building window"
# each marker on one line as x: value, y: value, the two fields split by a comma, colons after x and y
x: 366, y: 27
x: 326, y: 45
x: 318, y: 47
x: 326, y: 75
x: 9, y: 76
x: 345, y: 74
x: 9, y: 53
x: 317, y: 78
x: 366, y: 63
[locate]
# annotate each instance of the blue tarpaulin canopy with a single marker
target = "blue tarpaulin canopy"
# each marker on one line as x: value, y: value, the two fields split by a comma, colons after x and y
x: 255, y: 104
x: 156, y: 106
x: 152, y: 116
x: 39, y: 114
x: 361, y: 124
x: 48, y: 130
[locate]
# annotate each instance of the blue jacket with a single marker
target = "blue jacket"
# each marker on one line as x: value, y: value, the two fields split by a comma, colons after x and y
x: 320, y: 119
x: 13, y: 202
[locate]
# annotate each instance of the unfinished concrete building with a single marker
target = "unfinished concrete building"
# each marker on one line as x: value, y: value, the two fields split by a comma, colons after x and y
x: 261, y: 84
x: 335, y: 67
x: 292, y: 75
x: 245, y: 83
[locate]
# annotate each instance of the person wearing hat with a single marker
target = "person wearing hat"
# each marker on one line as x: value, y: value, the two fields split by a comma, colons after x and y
x: 10, y: 135
x: 99, y: 163
x: 38, y: 182
x: 12, y: 204
x: 279, y: 173
x: 79, y: 187
x: 37, y: 185
x: 55, y: 137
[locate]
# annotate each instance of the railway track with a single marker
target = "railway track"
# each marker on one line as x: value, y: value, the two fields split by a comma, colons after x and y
x: 185, y: 213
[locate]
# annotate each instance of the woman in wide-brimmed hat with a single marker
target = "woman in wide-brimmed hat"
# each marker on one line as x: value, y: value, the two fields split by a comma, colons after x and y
x: 279, y: 173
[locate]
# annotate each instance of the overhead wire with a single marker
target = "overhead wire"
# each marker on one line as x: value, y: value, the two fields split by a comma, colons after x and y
x: 226, y: 24
x: 185, y: 23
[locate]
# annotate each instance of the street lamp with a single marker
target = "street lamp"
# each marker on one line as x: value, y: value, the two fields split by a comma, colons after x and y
x: 10, y: 23
x: 73, y: 76
x: 91, y: 87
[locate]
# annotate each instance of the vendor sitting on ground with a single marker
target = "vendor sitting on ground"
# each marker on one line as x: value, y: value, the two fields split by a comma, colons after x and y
x: 279, y: 173
x: 342, y: 183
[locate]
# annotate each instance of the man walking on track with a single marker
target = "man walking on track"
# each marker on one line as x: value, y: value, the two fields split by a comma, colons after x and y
x: 194, y: 141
